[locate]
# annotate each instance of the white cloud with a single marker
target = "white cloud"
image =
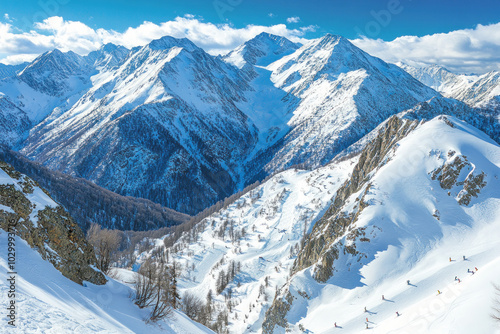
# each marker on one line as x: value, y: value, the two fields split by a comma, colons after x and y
x: 18, y: 59
x: 294, y: 19
x: 55, y: 32
x: 468, y: 50
x: 271, y: 15
x: 310, y: 28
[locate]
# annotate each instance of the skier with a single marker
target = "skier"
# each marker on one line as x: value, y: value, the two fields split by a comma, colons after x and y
x: 335, y: 324
x: 366, y: 326
x: 475, y: 268
x: 367, y: 320
x: 383, y: 297
x: 408, y: 282
x: 439, y: 292
x: 456, y: 278
x: 468, y: 270
x: 464, y: 257
x: 365, y: 309
x: 397, y: 313
x: 459, y: 280
x: 450, y: 259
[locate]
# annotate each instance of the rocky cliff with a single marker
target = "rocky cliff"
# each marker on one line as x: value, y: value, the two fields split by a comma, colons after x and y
x: 28, y: 210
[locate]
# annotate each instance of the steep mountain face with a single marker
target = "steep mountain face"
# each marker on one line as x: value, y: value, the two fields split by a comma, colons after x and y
x: 27, y: 211
x: 51, y: 84
x: 46, y: 83
x: 167, y: 112
x: 475, y: 90
x: 416, y: 190
x: 338, y: 93
x: 261, y: 51
x: 11, y: 70
x: 88, y: 203
x: 14, y: 123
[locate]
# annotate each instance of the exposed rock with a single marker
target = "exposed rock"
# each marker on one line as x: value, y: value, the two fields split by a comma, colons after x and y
x: 459, y: 172
x: 472, y: 186
x: 320, y: 248
x: 50, y: 230
x: 276, y: 315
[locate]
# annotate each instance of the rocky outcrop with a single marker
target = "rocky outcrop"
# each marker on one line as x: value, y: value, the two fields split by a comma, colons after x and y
x: 457, y: 176
x: 320, y: 248
x: 49, y: 229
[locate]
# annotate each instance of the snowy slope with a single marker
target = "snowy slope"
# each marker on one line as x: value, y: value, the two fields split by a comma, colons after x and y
x: 51, y: 258
x: 475, y: 90
x: 274, y: 217
x: 52, y: 83
x: 435, y: 195
x: 47, y: 82
x: 50, y: 303
x: 10, y: 70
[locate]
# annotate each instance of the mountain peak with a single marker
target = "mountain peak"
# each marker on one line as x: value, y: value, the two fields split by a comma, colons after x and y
x: 261, y: 50
x: 167, y: 42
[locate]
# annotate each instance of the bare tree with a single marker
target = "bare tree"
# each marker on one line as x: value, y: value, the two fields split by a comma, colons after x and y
x: 192, y: 306
x: 162, y: 306
x: 155, y: 288
x: 105, y: 244
x: 145, y: 284
x: 496, y: 307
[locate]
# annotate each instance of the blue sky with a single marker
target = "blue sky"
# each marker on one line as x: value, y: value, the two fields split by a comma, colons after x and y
x: 459, y: 35
x: 347, y: 18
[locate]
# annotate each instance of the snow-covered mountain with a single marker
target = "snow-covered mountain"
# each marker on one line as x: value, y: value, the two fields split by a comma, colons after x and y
x: 421, y: 197
x: 51, y: 84
x: 475, y: 90
x: 47, y: 83
x: 170, y: 123
x: 163, y: 125
x: 179, y: 111
x: 343, y: 94
x: 418, y: 194
x: 261, y: 51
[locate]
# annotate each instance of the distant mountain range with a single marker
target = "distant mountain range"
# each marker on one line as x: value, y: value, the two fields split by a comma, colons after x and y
x: 170, y: 123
